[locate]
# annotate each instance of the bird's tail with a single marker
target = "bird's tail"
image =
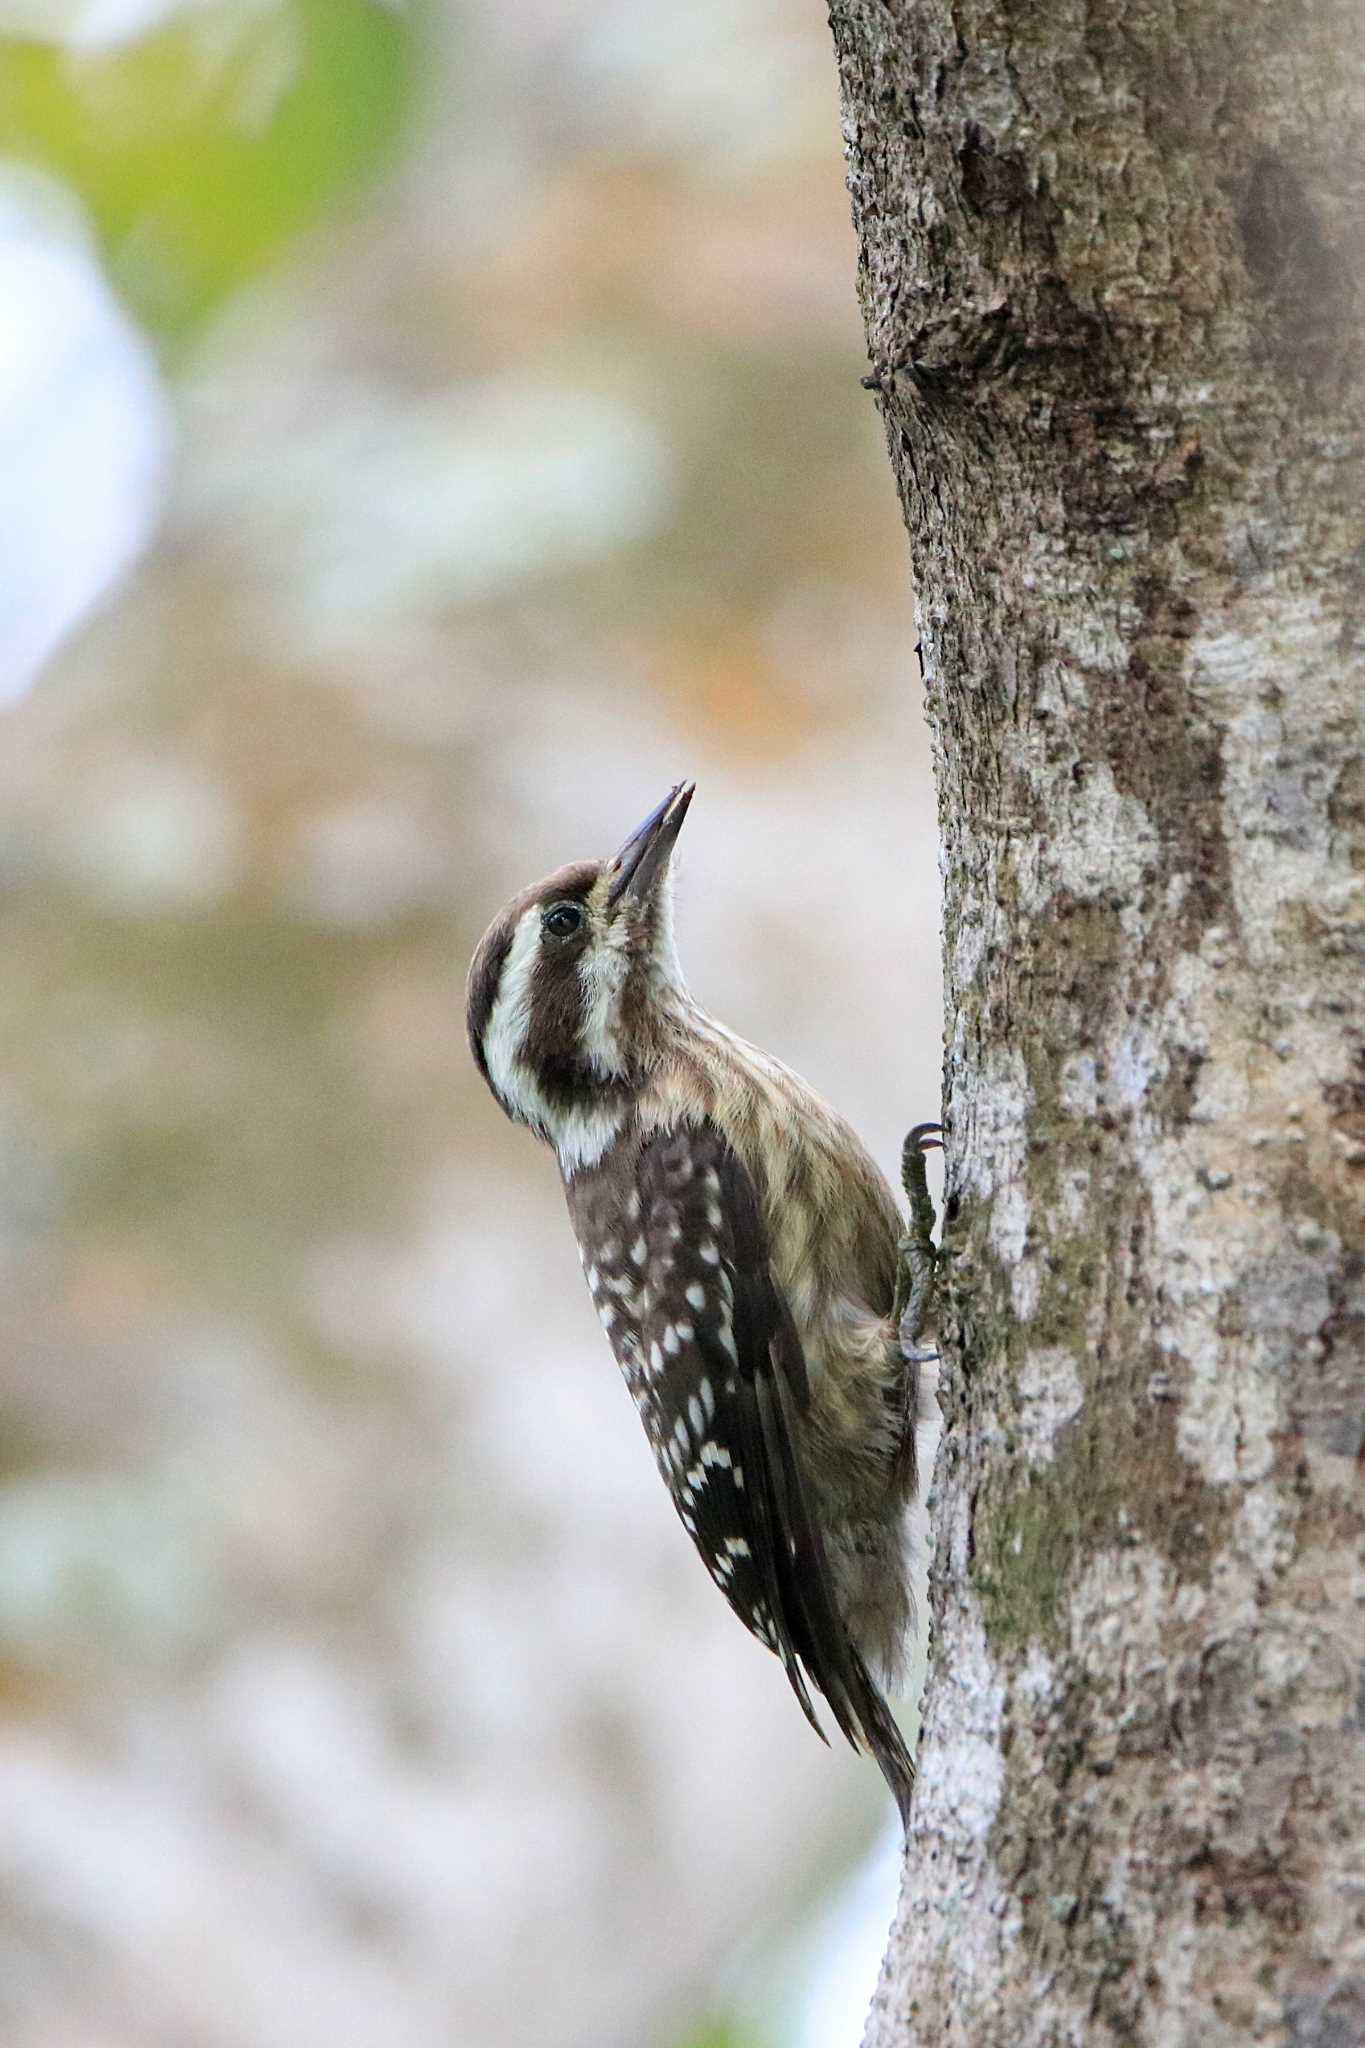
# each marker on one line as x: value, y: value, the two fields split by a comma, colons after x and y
x: 882, y: 1738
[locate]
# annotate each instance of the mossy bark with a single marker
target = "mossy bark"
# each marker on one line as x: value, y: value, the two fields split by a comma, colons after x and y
x: 1111, y: 269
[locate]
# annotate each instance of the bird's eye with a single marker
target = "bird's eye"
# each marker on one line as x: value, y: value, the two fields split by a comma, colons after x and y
x: 562, y: 919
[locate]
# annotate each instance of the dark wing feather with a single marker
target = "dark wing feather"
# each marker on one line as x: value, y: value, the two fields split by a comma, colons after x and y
x: 722, y: 1389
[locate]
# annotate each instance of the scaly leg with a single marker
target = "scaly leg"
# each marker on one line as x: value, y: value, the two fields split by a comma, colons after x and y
x: 915, y: 1307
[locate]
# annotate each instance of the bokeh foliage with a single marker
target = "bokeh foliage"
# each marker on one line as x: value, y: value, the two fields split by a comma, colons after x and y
x: 202, y: 147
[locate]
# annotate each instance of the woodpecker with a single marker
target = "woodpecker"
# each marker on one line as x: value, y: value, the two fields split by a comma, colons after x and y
x: 741, y: 1250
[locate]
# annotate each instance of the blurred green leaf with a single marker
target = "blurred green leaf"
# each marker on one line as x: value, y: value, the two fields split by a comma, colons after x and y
x: 723, y: 2033
x: 201, y: 148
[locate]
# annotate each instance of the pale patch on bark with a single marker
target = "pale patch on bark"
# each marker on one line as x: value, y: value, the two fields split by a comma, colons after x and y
x: 1104, y: 842
x: 1036, y: 1676
x: 1050, y: 1396
x: 1078, y: 1085
x: 996, y: 1161
x: 957, y: 1799
x: 968, y: 950
x: 999, y: 1122
x: 960, y: 1791
x: 1265, y: 1530
x: 1228, y: 1409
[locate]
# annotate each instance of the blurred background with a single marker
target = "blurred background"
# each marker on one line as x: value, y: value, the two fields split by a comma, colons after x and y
x: 425, y: 434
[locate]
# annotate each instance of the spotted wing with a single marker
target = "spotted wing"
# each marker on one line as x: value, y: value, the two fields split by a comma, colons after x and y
x: 713, y: 1358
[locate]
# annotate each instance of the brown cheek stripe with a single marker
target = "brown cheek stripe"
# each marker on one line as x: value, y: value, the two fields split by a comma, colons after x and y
x: 554, y: 1041
x: 556, y: 1006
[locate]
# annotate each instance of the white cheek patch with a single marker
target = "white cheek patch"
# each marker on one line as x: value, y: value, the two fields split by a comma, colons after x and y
x: 579, y: 1135
x: 510, y: 1023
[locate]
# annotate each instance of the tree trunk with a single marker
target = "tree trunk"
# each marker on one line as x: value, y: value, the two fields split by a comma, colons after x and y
x: 1111, y: 260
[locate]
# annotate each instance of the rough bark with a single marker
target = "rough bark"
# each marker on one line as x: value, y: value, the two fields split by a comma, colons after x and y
x: 1111, y: 259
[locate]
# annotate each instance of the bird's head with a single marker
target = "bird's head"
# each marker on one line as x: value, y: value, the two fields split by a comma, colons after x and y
x: 572, y: 987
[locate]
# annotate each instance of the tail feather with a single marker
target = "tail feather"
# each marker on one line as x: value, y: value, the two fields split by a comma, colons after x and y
x: 818, y: 1632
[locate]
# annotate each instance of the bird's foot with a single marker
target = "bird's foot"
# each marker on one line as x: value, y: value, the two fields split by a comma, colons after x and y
x: 916, y: 1304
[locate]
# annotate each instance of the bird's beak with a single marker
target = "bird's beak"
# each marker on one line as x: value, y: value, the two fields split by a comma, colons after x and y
x: 643, y: 858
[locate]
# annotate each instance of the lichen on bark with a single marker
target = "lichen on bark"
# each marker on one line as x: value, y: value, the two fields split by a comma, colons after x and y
x: 1111, y: 272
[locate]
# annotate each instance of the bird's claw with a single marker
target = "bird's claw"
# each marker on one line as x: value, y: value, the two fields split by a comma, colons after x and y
x: 918, y: 1254
x: 923, y: 1138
